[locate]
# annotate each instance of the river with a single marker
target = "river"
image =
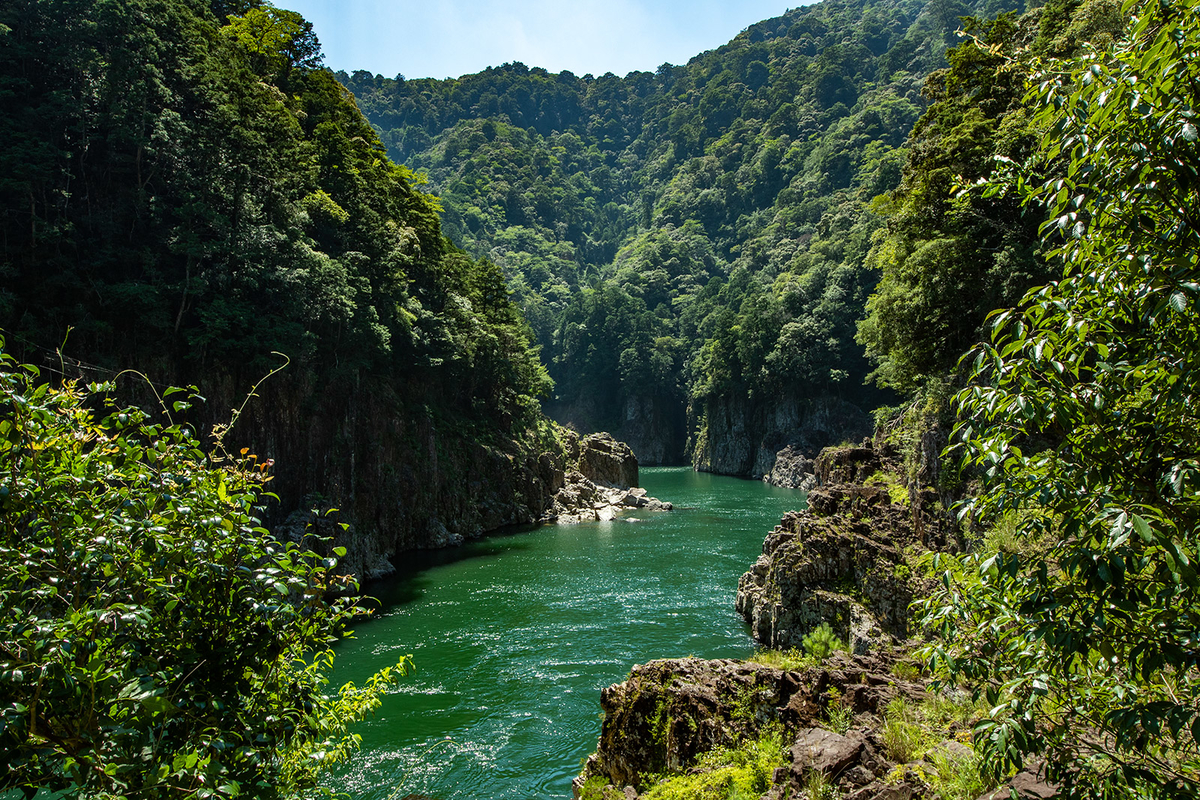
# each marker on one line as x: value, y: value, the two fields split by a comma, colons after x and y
x: 515, y: 634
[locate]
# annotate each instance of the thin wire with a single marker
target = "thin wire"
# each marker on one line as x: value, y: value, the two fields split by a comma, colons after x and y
x: 65, y: 359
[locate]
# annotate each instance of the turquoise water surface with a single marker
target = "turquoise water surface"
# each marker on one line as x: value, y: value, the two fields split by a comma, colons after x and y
x: 515, y: 634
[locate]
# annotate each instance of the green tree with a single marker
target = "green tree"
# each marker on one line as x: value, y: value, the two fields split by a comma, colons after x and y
x: 1085, y: 633
x: 277, y: 40
x: 155, y: 640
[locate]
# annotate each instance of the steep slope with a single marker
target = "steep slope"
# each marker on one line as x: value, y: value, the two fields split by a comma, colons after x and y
x: 186, y: 191
x: 689, y: 245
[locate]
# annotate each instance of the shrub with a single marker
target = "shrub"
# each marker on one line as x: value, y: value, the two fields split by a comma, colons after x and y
x: 155, y: 640
x: 741, y: 773
x: 821, y: 642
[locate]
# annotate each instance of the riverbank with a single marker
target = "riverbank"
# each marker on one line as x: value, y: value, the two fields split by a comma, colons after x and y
x: 804, y: 720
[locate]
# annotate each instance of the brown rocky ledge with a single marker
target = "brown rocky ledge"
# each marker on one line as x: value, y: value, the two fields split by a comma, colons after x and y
x: 668, y: 712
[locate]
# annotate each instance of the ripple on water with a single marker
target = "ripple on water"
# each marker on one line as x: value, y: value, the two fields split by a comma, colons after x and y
x: 513, y: 636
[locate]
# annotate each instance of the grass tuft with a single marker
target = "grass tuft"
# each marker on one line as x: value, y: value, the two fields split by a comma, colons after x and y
x: 741, y: 773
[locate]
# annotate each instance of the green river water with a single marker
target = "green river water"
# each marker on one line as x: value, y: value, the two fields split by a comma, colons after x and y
x: 515, y: 634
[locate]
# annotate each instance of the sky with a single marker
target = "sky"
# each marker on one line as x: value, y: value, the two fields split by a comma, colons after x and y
x: 449, y: 38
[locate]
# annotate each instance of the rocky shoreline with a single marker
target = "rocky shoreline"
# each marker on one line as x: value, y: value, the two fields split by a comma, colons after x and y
x: 851, y: 561
x: 579, y: 479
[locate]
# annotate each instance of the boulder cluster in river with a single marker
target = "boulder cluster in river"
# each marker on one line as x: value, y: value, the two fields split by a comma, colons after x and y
x: 604, y: 483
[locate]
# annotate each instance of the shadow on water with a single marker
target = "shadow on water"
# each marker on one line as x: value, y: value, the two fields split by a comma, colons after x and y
x: 410, y: 580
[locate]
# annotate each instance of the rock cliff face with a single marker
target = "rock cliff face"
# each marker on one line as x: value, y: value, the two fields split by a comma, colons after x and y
x: 654, y: 427
x: 402, y: 477
x: 775, y: 441
x: 842, y: 561
x: 400, y: 474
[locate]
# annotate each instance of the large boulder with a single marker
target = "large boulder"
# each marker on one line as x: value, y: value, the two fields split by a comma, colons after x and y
x: 606, y: 462
x: 792, y: 469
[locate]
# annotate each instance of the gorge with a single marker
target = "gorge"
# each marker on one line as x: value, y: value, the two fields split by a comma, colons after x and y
x: 768, y: 263
x: 514, y: 635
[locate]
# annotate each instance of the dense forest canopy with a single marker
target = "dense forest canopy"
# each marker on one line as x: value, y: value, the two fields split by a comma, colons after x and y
x: 187, y: 192
x: 838, y: 194
x: 694, y: 234
x: 188, y: 185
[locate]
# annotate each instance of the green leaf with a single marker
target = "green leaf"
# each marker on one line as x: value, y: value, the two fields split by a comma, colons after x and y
x: 1143, y: 529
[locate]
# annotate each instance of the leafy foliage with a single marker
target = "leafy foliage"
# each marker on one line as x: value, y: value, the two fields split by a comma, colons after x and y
x: 952, y: 254
x: 694, y: 235
x: 186, y: 190
x: 188, y: 185
x: 1086, y: 641
x: 736, y: 773
x: 155, y: 640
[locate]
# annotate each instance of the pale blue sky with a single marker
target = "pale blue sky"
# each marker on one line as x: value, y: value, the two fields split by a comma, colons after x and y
x: 448, y: 38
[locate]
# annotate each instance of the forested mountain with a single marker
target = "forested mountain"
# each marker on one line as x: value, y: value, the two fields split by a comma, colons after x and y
x: 695, y: 238
x: 185, y: 190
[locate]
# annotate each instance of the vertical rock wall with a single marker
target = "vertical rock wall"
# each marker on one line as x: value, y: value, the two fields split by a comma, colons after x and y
x: 775, y: 440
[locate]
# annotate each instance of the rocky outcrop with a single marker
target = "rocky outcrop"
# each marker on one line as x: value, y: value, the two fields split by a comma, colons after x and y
x: 603, y: 484
x: 793, y: 469
x: 816, y: 570
x: 668, y: 712
x: 607, y: 462
x: 844, y: 560
x: 775, y: 440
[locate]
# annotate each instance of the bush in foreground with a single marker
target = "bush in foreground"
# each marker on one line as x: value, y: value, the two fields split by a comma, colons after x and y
x: 155, y: 640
